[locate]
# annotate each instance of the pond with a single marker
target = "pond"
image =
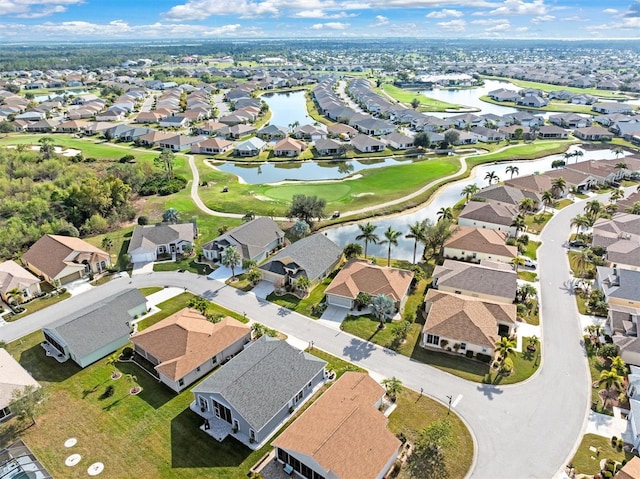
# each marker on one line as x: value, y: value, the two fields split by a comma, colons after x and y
x: 287, y: 108
x: 447, y: 196
x: 303, y: 170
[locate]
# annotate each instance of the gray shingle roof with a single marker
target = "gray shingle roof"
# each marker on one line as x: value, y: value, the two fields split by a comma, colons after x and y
x: 476, y: 278
x: 262, y: 379
x: 314, y: 254
x: 619, y: 283
x: 149, y: 237
x: 99, y: 324
x: 252, y: 238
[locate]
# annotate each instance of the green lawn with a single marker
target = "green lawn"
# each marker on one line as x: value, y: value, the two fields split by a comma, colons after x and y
x: 562, y: 203
x: 37, y: 305
x: 184, y: 263
x: 595, y: 368
x: 532, y: 316
x: 559, y: 106
x: 303, y: 306
x: 588, y: 462
x: 589, y: 271
x: 150, y: 290
x: 335, y: 364
x: 532, y: 249
x: 536, y: 223
x: 426, y: 103
x: 527, y: 275
x: 527, y: 151
x: 120, y: 239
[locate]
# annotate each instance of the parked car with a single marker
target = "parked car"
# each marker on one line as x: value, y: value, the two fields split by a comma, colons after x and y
x: 528, y: 262
x: 336, y: 214
x: 578, y: 244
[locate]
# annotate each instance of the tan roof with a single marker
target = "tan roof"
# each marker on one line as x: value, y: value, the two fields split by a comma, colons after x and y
x: 12, y: 377
x: 534, y: 183
x: 289, y: 144
x: 12, y: 275
x: 155, y: 136
x: 186, y: 340
x: 571, y: 177
x: 339, y: 128
x: 52, y: 253
x: 631, y: 469
x: 213, y: 143
x: 593, y: 167
x: 361, y: 276
x: 489, y: 212
x: 466, y: 319
x: 481, y: 240
x: 333, y: 430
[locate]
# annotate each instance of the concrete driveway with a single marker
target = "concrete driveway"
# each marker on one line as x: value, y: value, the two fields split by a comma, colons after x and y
x: 142, y: 268
x: 223, y: 273
x: 263, y: 289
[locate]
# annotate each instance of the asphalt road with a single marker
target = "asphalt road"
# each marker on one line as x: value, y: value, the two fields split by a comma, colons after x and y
x: 527, y: 430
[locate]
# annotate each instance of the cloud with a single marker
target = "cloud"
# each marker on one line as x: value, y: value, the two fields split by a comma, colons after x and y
x: 380, y: 21
x: 610, y: 11
x: 488, y: 21
x: 453, y: 25
x: 318, y: 13
x: 500, y: 27
x: 34, y: 8
x: 444, y: 13
x: 520, y: 7
x: 543, y: 18
x: 331, y: 26
x: 634, y: 10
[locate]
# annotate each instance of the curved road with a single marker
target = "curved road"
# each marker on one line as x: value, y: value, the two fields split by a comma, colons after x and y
x: 527, y: 430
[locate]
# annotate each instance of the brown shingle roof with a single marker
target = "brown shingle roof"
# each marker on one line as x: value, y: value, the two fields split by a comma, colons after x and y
x: 361, y: 276
x: 186, y: 340
x: 343, y: 431
x: 52, y: 253
x: 489, y: 212
x: 482, y: 240
x: 466, y: 319
x: 534, y: 183
x: 631, y: 469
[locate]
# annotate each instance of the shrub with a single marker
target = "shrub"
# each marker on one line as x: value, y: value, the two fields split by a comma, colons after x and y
x: 607, y: 474
x: 143, y: 220
x: 485, y: 358
x: 469, y: 354
x: 443, y: 343
x: 127, y: 353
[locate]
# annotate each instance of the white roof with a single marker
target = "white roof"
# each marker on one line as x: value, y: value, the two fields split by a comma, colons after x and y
x: 12, y: 377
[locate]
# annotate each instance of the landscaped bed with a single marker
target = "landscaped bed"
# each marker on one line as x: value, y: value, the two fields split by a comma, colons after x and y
x: 592, y: 450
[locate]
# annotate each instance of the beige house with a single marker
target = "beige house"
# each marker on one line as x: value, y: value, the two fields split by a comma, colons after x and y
x: 289, y: 147
x: 13, y: 377
x: 14, y: 277
x: 62, y: 259
x: 459, y: 323
x: 360, y: 276
x: 186, y: 346
x: 477, y: 244
x: 343, y: 435
x: 491, y: 215
x: 492, y: 281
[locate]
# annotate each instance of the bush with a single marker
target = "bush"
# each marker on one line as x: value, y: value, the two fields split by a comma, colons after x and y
x: 485, y: 358
x: 469, y: 354
x: 127, y: 353
x: 143, y: 220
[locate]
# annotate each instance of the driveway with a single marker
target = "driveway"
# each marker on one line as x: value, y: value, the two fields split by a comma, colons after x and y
x: 142, y: 268
x: 223, y: 273
x: 263, y: 289
x: 528, y: 430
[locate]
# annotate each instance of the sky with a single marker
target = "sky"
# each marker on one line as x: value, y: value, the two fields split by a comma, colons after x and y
x: 83, y: 20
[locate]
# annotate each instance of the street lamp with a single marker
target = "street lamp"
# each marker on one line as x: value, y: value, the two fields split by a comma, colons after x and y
x: 449, y: 398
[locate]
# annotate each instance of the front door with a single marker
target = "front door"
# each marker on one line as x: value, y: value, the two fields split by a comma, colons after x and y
x: 222, y: 412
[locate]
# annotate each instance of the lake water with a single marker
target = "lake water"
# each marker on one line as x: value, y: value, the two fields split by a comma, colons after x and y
x: 448, y: 196
x: 305, y: 171
x: 471, y: 97
x: 287, y: 108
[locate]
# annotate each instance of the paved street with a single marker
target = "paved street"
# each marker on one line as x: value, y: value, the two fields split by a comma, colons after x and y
x: 526, y: 430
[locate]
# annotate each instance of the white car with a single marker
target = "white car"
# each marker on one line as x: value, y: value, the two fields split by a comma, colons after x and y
x: 529, y: 263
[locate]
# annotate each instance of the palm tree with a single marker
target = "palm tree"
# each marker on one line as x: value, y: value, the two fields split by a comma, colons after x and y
x: 547, y: 199
x: 391, y: 236
x: 230, y: 259
x: 512, y: 170
x: 491, y: 177
x: 578, y: 154
x: 416, y: 233
x: 617, y: 151
x: 517, y: 262
x: 505, y: 347
x: 610, y: 380
x: 525, y: 292
x: 519, y: 224
x: 170, y: 216
x: 254, y: 275
x: 135, y: 389
x: 619, y: 366
x: 112, y: 361
x: 381, y: 307
x: 580, y: 222
x: 526, y: 205
x: 303, y: 283
x: 469, y: 190
x: 592, y: 210
x: 393, y: 386
x: 107, y: 243
x: 583, y: 260
x: 14, y: 295
x: 445, y: 213
x: 567, y: 155
x: 634, y: 209
x: 558, y: 186
x: 367, y: 234
x: 616, y: 195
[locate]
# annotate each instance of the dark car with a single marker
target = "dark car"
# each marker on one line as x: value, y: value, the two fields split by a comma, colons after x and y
x: 578, y: 244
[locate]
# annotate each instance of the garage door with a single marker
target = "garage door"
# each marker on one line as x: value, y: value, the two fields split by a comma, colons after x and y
x: 71, y: 277
x: 142, y: 257
x: 339, y: 301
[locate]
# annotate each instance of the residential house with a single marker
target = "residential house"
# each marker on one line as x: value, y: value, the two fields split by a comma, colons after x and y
x: 146, y: 117
x: 367, y: 144
x: 326, y: 441
x: 174, y: 122
x: 289, y: 147
x: 149, y: 242
x: 18, y: 460
x: 62, y: 259
x: 570, y: 120
x: 186, y: 346
x: 314, y: 256
x: 328, y: 146
x: 17, y: 284
x: 506, y: 194
x: 251, y: 147
x: 491, y: 215
x: 237, y: 131
x: 620, y: 286
x: 515, y: 132
x: 601, y: 172
x: 504, y: 94
x: 533, y: 183
x: 273, y: 132
x: 360, y: 276
x: 309, y: 132
x: 627, y: 203
x: 254, y: 240
x: 622, y: 323
x: 254, y: 393
x: 340, y: 130
x: 72, y: 126
x: 547, y: 132
x: 477, y: 244
x: 374, y: 126
x: 95, y: 331
x: 154, y: 138
x: 13, y: 379
x: 573, y: 179
x: 612, y: 107
x: 461, y: 323
x: 492, y: 281
x: 179, y: 142
x: 532, y: 101
x: 593, y: 133
x: 212, y: 146
x: 398, y: 141
x: 210, y: 128
x: 487, y: 135
x: 467, y: 120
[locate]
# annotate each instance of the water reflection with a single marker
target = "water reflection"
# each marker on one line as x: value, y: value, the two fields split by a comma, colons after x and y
x: 287, y: 108
x: 448, y: 196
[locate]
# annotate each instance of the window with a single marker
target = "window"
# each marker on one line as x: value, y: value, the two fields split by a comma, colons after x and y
x: 180, y: 382
x: 198, y: 369
x: 484, y: 350
x: 463, y: 346
x: 433, y: 339
x: 252, y: 434
x: 214, y: 360
x: 298, y: 396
